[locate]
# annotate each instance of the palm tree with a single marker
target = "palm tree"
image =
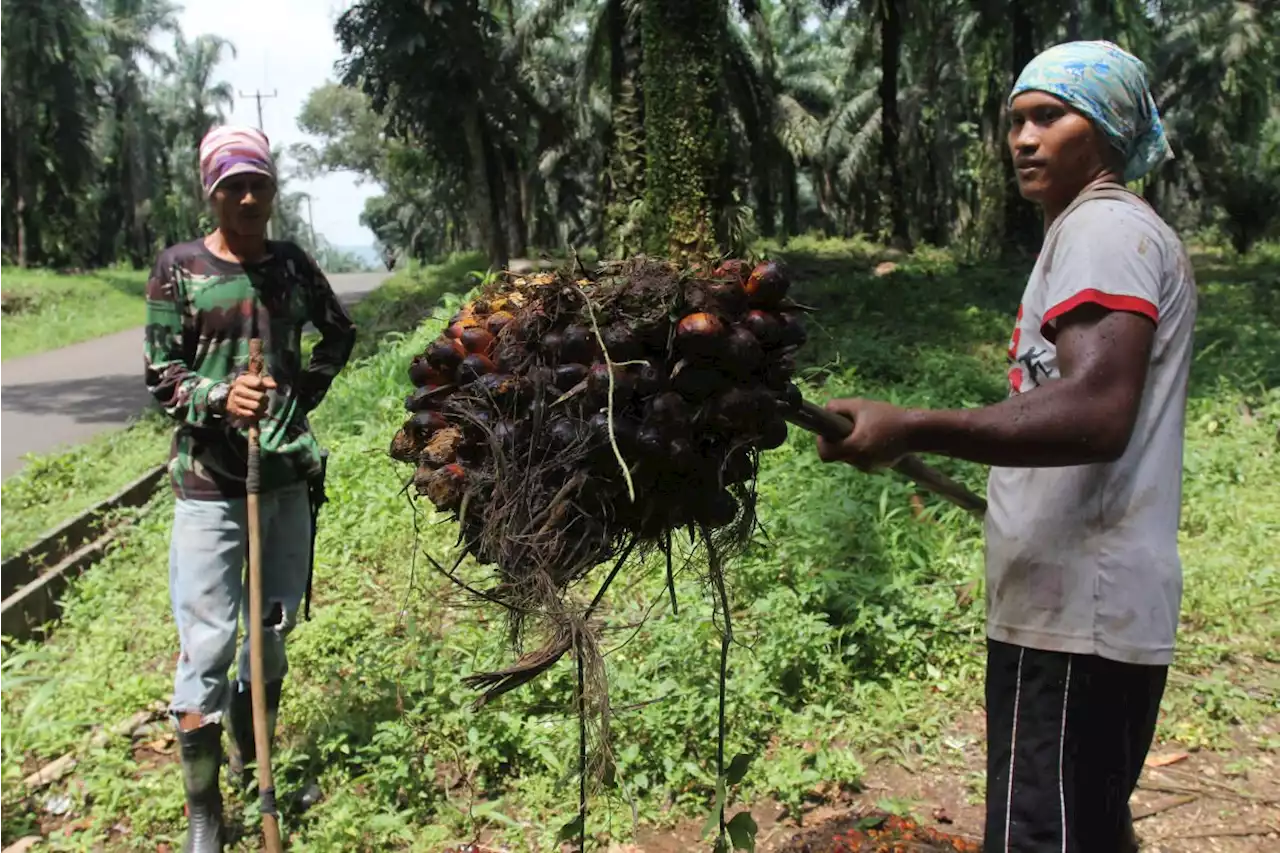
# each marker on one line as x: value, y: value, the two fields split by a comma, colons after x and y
x: 1216, y: 78
x: 48, y: 112
x: 127, y: 137
x: 188, y: 102
x: 684, y: 126
x: 441, y: 74
x: 782, y: 76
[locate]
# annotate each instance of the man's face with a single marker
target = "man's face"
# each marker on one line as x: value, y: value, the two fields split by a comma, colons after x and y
x: 1056, y: 150
x: 242, y: 204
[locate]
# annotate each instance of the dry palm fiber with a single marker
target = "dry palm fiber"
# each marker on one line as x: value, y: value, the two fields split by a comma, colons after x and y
x: 879, y: 833
x: 571, y: 419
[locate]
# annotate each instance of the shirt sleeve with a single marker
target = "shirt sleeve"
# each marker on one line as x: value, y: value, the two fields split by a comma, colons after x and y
x: 337, y: 337
x: 172, y: 381
x: 1108, y: 254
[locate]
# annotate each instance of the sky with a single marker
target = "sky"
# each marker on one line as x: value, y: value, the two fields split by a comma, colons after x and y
x: 286, y: 47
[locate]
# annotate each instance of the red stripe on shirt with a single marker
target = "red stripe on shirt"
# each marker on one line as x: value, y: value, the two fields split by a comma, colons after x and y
x: 1110, y: 301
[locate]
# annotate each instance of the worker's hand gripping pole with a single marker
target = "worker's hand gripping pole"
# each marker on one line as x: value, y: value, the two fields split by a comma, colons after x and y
x: 258, y: 690
x: 834, y: 427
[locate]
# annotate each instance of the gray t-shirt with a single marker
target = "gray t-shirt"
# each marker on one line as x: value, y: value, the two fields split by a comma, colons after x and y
x: 1084, y: 559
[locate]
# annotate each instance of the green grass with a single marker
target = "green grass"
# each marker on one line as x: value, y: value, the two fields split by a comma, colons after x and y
x: 407, y: 298
x: 44, y: 310
x: 52, y: 489
x: 853, y: 643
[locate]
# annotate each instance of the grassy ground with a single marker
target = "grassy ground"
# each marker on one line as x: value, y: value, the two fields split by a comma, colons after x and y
x: 53, y: 488
x: 859, y: 621
x: 45, y: 310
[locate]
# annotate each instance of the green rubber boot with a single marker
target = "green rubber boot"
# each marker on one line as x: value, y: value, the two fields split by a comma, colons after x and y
x: 243, y: 750
x: 201, y: 751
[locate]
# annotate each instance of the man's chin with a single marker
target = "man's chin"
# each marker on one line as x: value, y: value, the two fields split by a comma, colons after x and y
x: 1032, y: 192
x: 252, y: 228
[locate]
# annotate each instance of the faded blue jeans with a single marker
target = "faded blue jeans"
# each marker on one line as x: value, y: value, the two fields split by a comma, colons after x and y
x: 207, y: 554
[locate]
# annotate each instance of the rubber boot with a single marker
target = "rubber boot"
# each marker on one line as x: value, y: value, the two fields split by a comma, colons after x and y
x: 243, y: 750
x: 201, y: 751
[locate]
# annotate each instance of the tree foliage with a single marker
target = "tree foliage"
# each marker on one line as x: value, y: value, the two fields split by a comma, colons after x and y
x: 624, y: 125
x: 525, y: 126
x: 104, y: 106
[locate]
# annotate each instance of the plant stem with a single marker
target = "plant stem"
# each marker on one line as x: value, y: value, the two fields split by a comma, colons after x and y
x: 582, y: 753
x: 726, y: 638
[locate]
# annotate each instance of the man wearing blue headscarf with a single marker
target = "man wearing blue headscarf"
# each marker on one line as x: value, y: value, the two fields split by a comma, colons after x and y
x: 1084, y: 580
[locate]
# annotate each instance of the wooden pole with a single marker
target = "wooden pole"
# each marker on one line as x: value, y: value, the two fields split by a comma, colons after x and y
x: 835, y: 427
x: 257, y: 678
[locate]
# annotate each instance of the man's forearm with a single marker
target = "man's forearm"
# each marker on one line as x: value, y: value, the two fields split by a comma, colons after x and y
x: 1057, y: 424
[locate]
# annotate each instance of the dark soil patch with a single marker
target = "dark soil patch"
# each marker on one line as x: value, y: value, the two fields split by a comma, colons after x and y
x: 1187, y: 802
x: 17, y: 303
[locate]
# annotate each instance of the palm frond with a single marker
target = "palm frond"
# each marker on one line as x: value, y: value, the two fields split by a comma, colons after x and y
x: 860, y: 149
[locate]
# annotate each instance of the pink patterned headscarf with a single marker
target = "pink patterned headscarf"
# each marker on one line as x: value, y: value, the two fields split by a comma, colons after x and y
x: 234, y: 150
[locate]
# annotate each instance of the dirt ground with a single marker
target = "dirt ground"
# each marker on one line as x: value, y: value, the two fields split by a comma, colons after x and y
x: 1186, y: 802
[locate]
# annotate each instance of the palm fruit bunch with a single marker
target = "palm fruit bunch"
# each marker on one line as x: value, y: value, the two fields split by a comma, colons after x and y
x: 564, y: 416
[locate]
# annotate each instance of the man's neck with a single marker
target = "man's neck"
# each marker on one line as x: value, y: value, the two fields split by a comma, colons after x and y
x: 1106, y: 176
x: 236, y: 247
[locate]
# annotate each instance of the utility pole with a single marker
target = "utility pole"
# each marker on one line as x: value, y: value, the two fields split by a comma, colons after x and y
x: 258, y: 95
x: 311, y: 226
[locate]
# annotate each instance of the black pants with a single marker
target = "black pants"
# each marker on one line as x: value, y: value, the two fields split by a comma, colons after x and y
x: 1066, y: 739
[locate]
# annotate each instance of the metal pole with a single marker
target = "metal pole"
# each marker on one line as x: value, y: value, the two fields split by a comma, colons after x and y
x: 258, y: 95
x: 311, y: 224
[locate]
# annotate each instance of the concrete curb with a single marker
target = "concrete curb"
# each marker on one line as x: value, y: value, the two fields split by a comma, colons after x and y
x: 32, y: 581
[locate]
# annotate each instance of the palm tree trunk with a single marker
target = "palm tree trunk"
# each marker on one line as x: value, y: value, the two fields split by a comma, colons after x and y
x: 1022, y: 226
x: 1105, y: 20
x: 21, y: 192
x: 485, y: 218
x: 22, y: 230
x: 871, y: 211
x: 517, y: 228
x: 625, y: 183
x: 765, y: 207
x: 890, y: 129
x: 790, y: 198
x: 765, y: 149
x: 683, y: 137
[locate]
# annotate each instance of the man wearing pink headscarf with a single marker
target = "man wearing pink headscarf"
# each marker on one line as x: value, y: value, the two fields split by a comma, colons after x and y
x: 205, y: 300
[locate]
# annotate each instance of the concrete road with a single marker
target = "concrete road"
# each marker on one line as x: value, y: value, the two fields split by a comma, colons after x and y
x: 60, y: 398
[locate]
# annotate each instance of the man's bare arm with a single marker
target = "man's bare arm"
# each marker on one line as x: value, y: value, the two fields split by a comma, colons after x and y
x: 1084, y: 417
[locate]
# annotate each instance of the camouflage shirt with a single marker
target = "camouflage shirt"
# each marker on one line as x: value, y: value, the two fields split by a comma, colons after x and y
x: 201, y: 313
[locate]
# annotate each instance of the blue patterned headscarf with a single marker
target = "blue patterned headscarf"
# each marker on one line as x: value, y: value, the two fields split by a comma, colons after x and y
x: 1109, y: 86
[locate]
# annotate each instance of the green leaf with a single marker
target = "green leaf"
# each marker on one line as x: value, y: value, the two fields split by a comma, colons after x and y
x: 742, y: 831
x: 713, y: 819
x: 737, y: 768
x: 571, y: 831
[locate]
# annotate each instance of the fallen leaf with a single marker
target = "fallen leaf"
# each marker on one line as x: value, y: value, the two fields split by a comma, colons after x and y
x: 24, y: 844
x: 1166, y: 759
x: 965, y: 593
